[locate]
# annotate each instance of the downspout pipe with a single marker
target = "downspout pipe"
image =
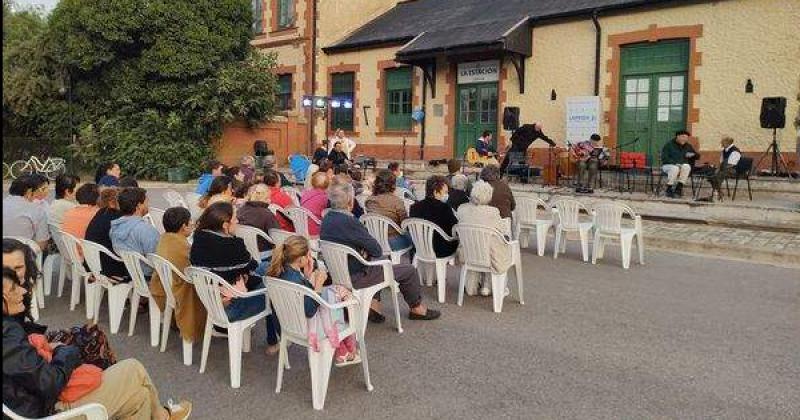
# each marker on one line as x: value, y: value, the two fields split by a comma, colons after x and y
x: 424, y: 119
x: 598, y: 32
x: 312, y: 119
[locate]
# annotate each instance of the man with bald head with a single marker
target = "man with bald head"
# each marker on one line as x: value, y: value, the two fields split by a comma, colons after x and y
x: 522, y: 138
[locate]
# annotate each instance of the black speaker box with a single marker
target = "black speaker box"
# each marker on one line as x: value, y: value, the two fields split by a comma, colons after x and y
x: 773, y: 112
x: 511, y: 118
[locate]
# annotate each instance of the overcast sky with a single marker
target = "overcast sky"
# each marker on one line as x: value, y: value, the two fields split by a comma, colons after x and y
x: 48, y: 5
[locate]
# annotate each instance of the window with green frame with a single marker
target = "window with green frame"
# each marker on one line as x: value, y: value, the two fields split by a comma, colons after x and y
x: 258, y: 22
x: 284, y: 96
x: 285, y: 14
x: 343, y: 89
x: 397, y: 116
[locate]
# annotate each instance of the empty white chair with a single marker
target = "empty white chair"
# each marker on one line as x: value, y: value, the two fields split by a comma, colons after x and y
x: 79, y: 275
x: 174, y: 199
x: 288, y: 301
x: 422, y: 232
x: 336, y: 256
x: 293, y: 194
x: 117, y: 292
x: 156, y: 217
x: 250, y: 235
x: 528, y: 222
x: 474, y: 241
x: 92, y: 411
x: 608, y: 225
x: 378, y: 226
x: 192, y: 201
x: 300, y: 217
x: 141, y: 289
x: 37, y: 300
x: 166, y: 274
x: 208, y: 286
x: 568, y: 219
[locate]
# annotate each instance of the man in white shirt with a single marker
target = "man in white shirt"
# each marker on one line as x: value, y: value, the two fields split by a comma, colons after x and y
x: 22, y: 216
x: 729, y: 159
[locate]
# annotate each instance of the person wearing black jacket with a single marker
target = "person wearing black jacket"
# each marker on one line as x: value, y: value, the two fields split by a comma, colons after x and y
x: 337, y: 156
x: 216, y: 249
x: 32, y: 385
x: 434, y: 208
x: 522, y: 138
x: 320, y: 153
x: 99, y: 231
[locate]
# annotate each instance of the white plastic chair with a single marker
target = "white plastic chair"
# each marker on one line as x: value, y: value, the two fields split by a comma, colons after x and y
x: 166, y: 272
x: 117, y: 292
x: 378, y: 226
x: 407, y: 204
x: 174, y: 199
x: 293, y: 194
x: 92, y: 411
x: 65, y: 264
x: 362, y: 200
x: 141, y: 289
x: 608, y: 218
x: 566, y: 212
x: 250, y: 235
x: 336, y: 256
x: 474, y: 240
x: 288, y: 301
x: 300, y: 217
x: 528, y: 222
x: 37, y: 300
x: 422, y: 232
x: 208, y: 286
x: 79, y: 275
x: 404, y: 193
x: 156, y: 217
x: 192, y: 201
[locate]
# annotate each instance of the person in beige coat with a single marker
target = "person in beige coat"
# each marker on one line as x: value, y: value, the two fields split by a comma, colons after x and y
x: 479, y: 212
x: 190, y: 315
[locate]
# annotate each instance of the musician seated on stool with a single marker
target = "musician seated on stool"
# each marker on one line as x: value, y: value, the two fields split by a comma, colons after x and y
x: 728, y: 160
x: 677, y: 159
x: 589, y: 154
x: 485, y: 148
x: 338, y: 156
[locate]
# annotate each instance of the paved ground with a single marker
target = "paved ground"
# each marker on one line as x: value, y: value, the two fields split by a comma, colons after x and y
x: 681, y: 337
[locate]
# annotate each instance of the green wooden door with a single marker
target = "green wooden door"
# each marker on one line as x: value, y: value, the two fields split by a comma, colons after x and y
x: 652, y: 103
x: 477, y: 112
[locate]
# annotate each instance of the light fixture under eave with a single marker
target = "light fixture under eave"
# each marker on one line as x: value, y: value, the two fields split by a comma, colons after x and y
x: 748, y: 87
x: 335, y: 103
x: 320, y: 103
x: 553, y: 95
x: 348, y: 104
x: 307, y: 101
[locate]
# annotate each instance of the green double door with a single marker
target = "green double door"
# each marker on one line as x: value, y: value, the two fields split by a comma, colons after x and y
x: 653, y: 95
x: 477, y: 112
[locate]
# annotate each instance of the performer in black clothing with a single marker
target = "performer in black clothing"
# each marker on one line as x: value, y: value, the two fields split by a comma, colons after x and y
x: 522, y: 138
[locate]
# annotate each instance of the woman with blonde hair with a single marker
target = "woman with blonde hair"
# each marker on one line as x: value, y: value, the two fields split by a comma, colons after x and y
x: 292, y: 261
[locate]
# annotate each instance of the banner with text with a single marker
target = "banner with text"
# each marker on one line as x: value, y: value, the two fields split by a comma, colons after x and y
x: 479, y: 72
x: 583, y: 118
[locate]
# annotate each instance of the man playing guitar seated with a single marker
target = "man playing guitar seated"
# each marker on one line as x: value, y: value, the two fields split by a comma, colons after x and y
x: 589, y: 154
x: 485, y: 148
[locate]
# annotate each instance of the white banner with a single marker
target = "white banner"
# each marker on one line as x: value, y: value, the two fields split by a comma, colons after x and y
x: 479, y: 72
x: 583, y: 118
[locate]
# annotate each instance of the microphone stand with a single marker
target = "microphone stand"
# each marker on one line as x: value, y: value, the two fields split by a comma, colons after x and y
x: 618, y: 151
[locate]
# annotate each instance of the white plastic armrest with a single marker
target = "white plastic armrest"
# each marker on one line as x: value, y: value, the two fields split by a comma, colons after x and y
x: 350, y: 302
x: 93, y: 410
x: 111, y: 255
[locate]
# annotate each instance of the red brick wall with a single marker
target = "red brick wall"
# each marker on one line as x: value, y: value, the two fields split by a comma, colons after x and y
x: 285, y: 137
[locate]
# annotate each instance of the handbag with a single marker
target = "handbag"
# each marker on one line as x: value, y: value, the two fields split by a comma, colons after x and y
x: 91, y: 341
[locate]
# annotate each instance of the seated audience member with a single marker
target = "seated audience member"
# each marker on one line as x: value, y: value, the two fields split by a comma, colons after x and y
x: 34, y: 383
x: 590, y: 155
x: 238, y: 186
x: 728, y: 160
x: 214, y: 168
x: 458, y: 191
x: 434, y: 208
x: 248, y: 168
x: 315, y: 200
x: 65, y: 198
x: 479, y: 212
x: 358, y: 185
x: 486, y: 149
x: 502, y: 197
x: 293, y: 262
x: 384, y: 202
x: 321, y: 152
x: 400, y: 180
x: 128, y: 181
x: 190, y: 314
x: 357, y: 211
x: 216, y: 249
x: 77, y: 219
x: 99, y: 231
x: 131, y: 232
x: 279, y: 197
x: 20, y: 257
x: 108, y: 175
x: 677, y: 158
x: 325, y: 166
x: 221, y: 190
x: 338, y: 155
x: 256, y: 213
x: 339, y: 226
x: 270, y: 164
x: 22, y: 217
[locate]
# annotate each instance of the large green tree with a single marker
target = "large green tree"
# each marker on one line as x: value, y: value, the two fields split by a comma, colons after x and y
x: 152, y: 82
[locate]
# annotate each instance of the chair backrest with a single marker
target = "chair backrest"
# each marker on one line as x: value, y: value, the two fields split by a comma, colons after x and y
x: 335, y: 257
x: 299, y: 217
x: 379, y: 226
x: 157, y: 219
x: 744, y: 166
x: 403, y: 193
x: 193, y: 200
x: 72, y: 246
x: 250, y: 236
x: 33, y: 246
x: 569, y: 212
x: 527, y: 210
x: 421, y: 232
x: 133, y: 262
x: 166, y: 272
x: 279, y: 236
x: 293, y: 193
x: 362, y: 200
x: 91, y: 253
x: 174, y: 199
x: 288, y: 302
x: 474, y: 240
x: 207, y: 285
x: 58, y: 238
x: 609, y: 216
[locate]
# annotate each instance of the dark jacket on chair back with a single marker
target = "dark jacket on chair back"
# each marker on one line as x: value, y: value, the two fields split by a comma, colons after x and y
x: 223, y: 255
x: 342, y: 228
x: 442, y: 215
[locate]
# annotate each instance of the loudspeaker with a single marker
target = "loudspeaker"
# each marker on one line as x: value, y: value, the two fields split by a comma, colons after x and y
x: 511, y: 118
x: 260, y: 148
x: 773, y: 112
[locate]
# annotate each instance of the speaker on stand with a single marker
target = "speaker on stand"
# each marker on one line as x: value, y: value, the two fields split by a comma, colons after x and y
x: 773, y: 116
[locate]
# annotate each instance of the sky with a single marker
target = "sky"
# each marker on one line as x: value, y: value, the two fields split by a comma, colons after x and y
x: 47, y: 5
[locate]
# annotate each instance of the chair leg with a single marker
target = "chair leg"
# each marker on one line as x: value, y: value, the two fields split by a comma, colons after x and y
x: 498, y: 291
x: 462, y: 283
x: 640, y: 246
x: 749, y: 191
x: 281, y: 365
x: 320, y: 365
x: 50, y: 263
x: 625, y: 243
x: 396, y: 298
x: 116, y: 306
x: 62, y: 275
x: 735, y: 188
x: 235, y: 337
x: 584, y: 234
x: 518, y: 275
x: 135, y: 298
x: 206, y: 344
x: 167, y: 322
x: 155, y: 322
x: 524, y: 236
x: 97, y: 299
x: 39, y: 290
x: 596, y: 249
x: 187, y: 353
x: 441, y: 279
x: 541, y: 239
x: 362, y: 350
x: 246, y: 339
x: 557, y: 243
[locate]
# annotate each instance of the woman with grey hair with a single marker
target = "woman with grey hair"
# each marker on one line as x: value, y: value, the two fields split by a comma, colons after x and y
x: 479, y: 212
x: 458, y: 191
